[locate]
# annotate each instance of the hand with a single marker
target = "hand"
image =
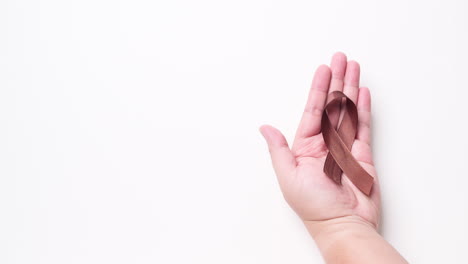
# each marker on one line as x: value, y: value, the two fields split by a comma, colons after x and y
x: 307, y: 189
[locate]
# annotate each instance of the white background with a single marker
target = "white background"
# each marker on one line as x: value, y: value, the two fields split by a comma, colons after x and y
x: 129, y: 129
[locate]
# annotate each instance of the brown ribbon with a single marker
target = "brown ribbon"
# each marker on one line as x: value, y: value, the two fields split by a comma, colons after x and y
x: 339, y: 143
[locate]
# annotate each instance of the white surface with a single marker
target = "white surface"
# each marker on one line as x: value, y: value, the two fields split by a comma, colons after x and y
x: 128, y: 129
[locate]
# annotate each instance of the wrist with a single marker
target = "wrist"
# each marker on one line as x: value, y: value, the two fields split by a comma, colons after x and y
x: 351, y: 239
x: 337, y: 225
x: 329, y: 233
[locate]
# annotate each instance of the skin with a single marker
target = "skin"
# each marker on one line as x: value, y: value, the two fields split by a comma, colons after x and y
x: 341, y: 219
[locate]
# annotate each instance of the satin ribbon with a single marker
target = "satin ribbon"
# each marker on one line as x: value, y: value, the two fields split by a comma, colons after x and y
x: 339, y: 143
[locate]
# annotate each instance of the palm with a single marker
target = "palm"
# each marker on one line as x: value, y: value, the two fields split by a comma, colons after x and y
x: 321, y: 198
x: 305, y: 186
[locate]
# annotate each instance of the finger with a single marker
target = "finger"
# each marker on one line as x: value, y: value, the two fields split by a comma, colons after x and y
x: 351, y: 80
x: 310, y: 121
x: 281, y: 156
x: 338, y: 69
x: 364, y: 113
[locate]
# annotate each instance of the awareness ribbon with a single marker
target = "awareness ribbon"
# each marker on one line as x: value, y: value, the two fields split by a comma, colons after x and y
x: 339, y: 143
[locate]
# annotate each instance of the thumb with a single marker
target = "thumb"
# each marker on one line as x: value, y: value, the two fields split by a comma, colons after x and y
x: 281, y: 156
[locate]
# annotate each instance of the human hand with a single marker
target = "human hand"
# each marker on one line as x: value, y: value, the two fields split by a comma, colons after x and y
x: 307, y: 189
